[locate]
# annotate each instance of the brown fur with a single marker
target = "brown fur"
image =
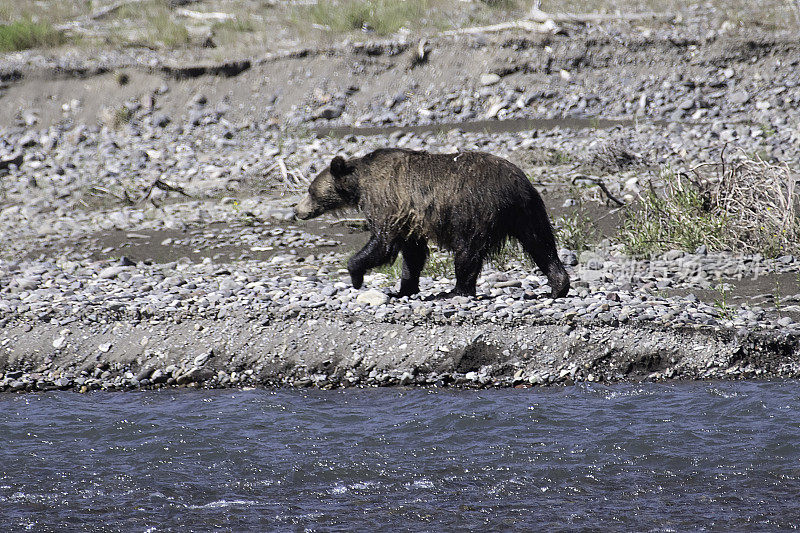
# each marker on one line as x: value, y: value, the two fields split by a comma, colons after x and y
x: 469, y: 202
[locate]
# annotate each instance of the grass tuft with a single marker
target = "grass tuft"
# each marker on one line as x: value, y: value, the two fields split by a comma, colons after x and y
x: 678, y: 217
x: 575, y: 231
x: 748, y: 206
x: 168, y: 33
x: 24, y: 34
x: 384, y: 17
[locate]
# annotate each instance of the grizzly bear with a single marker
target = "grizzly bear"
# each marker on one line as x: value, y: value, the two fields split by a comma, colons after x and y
x: 467, y: 202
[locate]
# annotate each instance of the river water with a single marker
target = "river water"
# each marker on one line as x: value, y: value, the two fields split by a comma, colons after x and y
x: 647, y: 457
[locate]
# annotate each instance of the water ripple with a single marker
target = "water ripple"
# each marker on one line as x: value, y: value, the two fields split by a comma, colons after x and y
x: 648, y: 457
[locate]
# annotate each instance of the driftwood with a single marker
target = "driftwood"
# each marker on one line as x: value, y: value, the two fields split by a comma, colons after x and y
x: 538, y: 21
x: 96, y: 15
x: 527, y: 25
x: 105, y: 11
x: 76, y: 26
x: 158, y: 184
x: 205, y: 17
x: 293, y: 179
x: 600, y: 183
x: 588, y: 18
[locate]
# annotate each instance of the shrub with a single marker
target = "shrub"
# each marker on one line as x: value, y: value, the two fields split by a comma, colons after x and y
x: 575, y: 231
x: 677, y: 217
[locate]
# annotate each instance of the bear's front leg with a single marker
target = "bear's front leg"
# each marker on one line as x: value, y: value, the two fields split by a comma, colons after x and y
x: 375, y: 253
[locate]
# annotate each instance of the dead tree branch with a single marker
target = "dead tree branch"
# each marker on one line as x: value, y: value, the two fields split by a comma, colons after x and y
x: 600, y: 183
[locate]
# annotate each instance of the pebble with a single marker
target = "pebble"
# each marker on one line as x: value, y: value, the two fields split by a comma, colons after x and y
x: 111, y: 272
x: 372, y: 297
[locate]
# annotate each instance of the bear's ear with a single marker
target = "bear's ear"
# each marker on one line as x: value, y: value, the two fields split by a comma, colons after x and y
x: 339, y: 167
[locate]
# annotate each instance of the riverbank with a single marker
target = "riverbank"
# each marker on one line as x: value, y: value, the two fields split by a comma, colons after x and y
x: 287, y: 321
x: 148, y: 240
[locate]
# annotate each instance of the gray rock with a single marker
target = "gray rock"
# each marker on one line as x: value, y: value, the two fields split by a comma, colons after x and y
x: 201, y: 359
x: 111, y: 272
x: 161, y: 120
x: 569, y: 258
x: 489, y: 79
x: 331, y: 112
x: 159, y: 376
x: 372, y: 297
x: 739, y: 97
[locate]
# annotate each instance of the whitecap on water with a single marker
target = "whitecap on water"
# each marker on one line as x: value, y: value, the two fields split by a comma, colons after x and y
x: 723, y: 393
x: 420, y: 484
x: 223, y: 503
x: 340, y: 488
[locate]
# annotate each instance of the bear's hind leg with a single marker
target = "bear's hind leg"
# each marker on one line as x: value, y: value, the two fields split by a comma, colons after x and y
x: 415, y: 253
x: 468, y: 267
x: 375, y: 253
x: 544, y: 254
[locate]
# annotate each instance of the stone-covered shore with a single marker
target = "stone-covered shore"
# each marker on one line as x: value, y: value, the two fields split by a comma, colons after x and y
x: 297, y: 321
x: 148, y: 241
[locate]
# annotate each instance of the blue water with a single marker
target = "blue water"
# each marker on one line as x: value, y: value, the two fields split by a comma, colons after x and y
x: 654, y: 457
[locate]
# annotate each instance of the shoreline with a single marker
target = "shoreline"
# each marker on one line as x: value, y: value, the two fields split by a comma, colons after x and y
x: 380, y: 344
x: 140, y: 201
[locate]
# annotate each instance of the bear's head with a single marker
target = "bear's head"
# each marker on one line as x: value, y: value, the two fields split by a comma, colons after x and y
x: 334, y: 188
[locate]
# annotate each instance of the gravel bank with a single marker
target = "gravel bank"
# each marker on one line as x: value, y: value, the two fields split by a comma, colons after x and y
x: 156, y: 248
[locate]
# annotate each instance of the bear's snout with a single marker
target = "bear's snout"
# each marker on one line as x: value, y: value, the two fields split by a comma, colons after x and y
x: 305, y: 208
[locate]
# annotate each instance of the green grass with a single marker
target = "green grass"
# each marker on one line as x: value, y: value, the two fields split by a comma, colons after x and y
x: 237, y: 25
x: 168, y: 33
x: 24, y: 34
x: 438, y: 265
x: 117, y: 117
x: 677, y: 218
x: 384, y: 17
x: 722, y: 302
x: 501, y: 4
x: 575, y: 231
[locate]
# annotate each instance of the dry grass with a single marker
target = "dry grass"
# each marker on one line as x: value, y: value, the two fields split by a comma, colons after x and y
x: 760, y: 203
x: 265, y: 25
x: 748, y: 206
x: 384, y: 17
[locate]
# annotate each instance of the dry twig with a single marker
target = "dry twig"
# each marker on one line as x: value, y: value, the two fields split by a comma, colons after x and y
x: 600, y: 183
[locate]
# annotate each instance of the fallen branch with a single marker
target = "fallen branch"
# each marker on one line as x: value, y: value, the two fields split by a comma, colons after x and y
x: 540, y: 22
x: 600, y: 183
x: 158, y: 184
x: 101, y: 13
x: 537, y: 27
x: 125, y: 198
x: 205, y: 17
x: 584, y: 18
x: 294, y: 179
